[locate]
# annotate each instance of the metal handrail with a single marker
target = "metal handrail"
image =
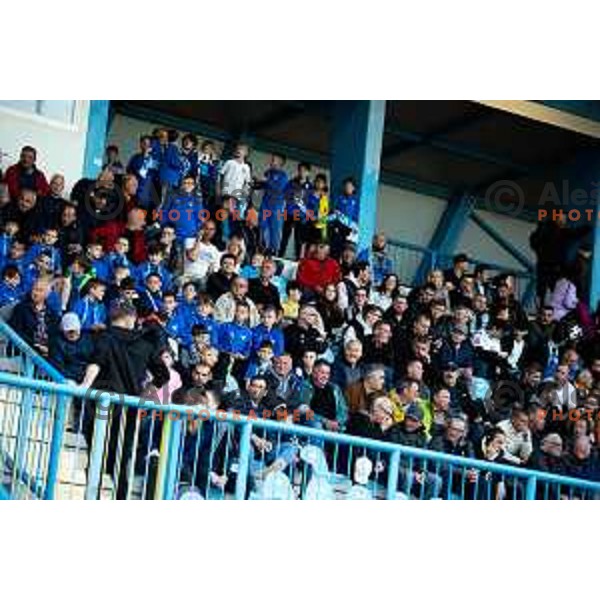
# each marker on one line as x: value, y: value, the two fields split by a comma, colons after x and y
x: 64, y: 391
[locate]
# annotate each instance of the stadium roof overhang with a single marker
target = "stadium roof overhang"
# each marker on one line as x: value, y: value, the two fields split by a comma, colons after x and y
x: 439, y: 148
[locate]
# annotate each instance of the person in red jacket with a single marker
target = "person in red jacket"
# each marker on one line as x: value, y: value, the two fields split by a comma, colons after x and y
x: 25, y: 175
x: 318, y: 270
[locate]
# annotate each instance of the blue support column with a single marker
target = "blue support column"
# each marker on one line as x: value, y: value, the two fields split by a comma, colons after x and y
x: 96, y: 137
x: 448, y: 231
x: 595, y: 268
x: 356, y: 152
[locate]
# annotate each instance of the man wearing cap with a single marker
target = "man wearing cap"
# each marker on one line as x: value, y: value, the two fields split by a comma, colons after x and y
x: 414, y: 479
x: 71, y: 351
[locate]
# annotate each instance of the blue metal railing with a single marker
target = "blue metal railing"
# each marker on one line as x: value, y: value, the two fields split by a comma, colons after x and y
x: 293, y: 457
x: 188, y: 451
x: 407, y: 258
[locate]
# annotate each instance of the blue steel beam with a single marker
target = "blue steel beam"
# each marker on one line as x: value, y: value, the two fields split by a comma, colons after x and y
x: 454, y: 126
x: 448, y: 231
x: 356, y: 152
x: 502, y: 241
x: 96, y: 137
x: 464, y: 150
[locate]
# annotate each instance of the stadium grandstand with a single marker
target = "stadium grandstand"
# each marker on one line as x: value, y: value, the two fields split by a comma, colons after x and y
x: 299, y: 299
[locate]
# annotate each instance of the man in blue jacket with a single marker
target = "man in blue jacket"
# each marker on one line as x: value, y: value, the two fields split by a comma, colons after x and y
x: 273, y: 203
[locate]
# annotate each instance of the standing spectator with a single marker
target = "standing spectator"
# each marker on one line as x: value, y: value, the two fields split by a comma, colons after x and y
x: 25, y: 175
x: 296, y: 196
x: 381, y: 264
x: 236, y: 179
x: 113, y: 162
x: 273, y: 204
x: 145, y: 168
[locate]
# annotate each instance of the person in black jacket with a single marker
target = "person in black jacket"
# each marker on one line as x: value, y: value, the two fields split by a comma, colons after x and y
x: 71, y: 237
x: 461, y: 482
x: 219, y: 282
x: 302, y: 335
x: 414, y: 478
x: 72, y: 350
x: 261, y: 290
x: 34, y: 320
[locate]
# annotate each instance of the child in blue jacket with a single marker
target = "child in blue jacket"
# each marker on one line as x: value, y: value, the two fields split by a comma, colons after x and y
x: 235, y: 339
x: 154, y: 265
x: 184, y: 210
x: 90, y: 308
x: 268, y: 330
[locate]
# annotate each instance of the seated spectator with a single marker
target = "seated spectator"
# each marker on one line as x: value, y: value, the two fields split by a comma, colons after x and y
x: 10, y: 286
x: 201, y: 254
x: 291, y: 305
x: 549, y: 457
x: 304, y: 335
x: 261, y: 290
x: 25, y: 175
x: 580, y: 462
x: 284, y: 384
x: 219, y: 282
x: 33, y: 319
x: 383, y: 296
x: 318, y: 270
x: 71, y: 351
x: 348, y: 369
x: 268, y: 330
x: 378, y: 259
x: 225, y: 305
x: 358, y: 393
x: 325, y: 399
x: 518, y: 444
x: 436, y: 412
x: 90, y: 308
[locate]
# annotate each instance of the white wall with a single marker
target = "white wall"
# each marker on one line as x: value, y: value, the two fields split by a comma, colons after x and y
x: 402, y: 214
x: 60, y: 146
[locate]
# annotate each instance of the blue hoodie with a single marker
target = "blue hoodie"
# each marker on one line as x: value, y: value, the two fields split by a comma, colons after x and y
x: 90, y: 313
x: 9, y: 294
x: 185, y: 217
x: 349, y: 206
x: 260, y: 333
x: 235, y: 339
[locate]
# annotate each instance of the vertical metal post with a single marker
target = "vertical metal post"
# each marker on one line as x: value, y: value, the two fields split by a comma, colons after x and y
x: 23, y: 434
x: 393, y: 472
x: 58, y: 429
x: 101, y: 417
x: 530, y: 491
x: 173, y: 446
x: 244, y: 462
x: 356, y: 152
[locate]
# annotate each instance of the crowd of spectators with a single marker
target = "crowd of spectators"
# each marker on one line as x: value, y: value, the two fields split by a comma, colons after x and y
x: 165, y: 277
